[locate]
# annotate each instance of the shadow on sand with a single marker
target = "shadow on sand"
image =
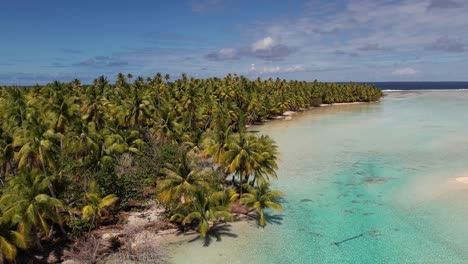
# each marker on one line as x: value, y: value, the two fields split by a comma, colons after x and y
x: 215, y: 233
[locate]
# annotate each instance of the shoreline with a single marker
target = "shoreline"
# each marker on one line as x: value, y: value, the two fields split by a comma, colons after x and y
x: 143, y: 235
x: 288, y: 115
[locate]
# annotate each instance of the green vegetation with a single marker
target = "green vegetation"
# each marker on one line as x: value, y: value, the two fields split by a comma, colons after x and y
x: 260, y: 198
x: 72, y: 156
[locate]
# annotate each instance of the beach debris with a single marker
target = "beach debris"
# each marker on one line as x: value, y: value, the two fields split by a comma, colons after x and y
x: 348, y: 239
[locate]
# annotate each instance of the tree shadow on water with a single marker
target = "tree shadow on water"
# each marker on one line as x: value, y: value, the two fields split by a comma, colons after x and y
x: 274, y: 219
x: 215, y: 233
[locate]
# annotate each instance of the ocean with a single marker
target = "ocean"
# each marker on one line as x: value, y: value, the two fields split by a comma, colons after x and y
x: 368, y: 183
x: 421, y: 85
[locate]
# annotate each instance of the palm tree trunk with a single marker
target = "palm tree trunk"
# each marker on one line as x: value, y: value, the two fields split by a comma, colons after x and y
x: 240, y: 183
x: 38, y: 242
x: 51, y: 190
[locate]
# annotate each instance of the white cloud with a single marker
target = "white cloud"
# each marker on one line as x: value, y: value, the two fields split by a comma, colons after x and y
x: 276, y: 69
x: 405, y: 72
x: 269, y: 49
x: 263, y: 44
x: 365, y: 39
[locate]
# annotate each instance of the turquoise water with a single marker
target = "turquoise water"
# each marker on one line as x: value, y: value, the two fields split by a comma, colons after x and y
x: 383, y: 173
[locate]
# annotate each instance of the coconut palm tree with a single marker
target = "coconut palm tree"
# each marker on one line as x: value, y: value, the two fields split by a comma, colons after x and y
x: 14, y: 106
x: 37, y: 148
x: 166, y: 126
x: 6, y: 153
x: 260, y: 198
x: 181, y: 179
x: 27, y: 203
x: 206, y: 207
x: 217, y: 139
x: 266, y: 165
x: 10, y: 241
x: 140, y: 111
x: 96, y: 206
x: 242, y: 158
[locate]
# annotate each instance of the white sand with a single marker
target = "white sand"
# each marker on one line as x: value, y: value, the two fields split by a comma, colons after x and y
x: 289, y: 113
x: 462, y: 180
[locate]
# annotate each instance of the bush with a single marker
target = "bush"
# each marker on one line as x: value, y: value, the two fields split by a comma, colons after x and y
x: 80, y: 226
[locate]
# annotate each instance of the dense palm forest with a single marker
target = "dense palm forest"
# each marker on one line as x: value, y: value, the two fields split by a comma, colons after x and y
x: 74, y: 155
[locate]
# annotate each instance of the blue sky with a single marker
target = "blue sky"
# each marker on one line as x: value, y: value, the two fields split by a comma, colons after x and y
x: 342, y: 40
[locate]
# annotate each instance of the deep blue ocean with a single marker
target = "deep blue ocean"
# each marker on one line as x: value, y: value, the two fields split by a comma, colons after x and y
x: 421, y: 85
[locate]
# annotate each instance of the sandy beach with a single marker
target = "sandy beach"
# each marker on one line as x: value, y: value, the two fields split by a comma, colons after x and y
x: 462, y: 179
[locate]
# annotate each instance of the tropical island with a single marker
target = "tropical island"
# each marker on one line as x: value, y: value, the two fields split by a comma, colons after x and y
x: 75, y: 158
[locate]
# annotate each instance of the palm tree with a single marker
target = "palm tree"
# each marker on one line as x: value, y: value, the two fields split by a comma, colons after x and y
x: 217, y: 140
x: 14, y: 106
x: 266, y: 165
x: 37, y: 148
x: 121, y: 141
x: 206, y: 207
x: 166, y: 125
x: 181, y: 179
x: 260, y: 198
x: 26, y: 202
x: 139, y: 107
x: 6, y: 153
x: 96, y: 206
x: 242, y: 158
x: 10, y: 241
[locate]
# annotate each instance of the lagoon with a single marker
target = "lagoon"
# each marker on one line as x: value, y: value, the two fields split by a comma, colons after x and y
x: 381, y: 175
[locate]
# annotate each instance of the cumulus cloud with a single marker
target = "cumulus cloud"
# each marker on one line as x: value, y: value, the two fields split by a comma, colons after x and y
x: 448, y: 44
x: 405, y: 72
x: 276, y: 69
x: 224, y: 54
x: 263, y: 44
x: 268, y: 49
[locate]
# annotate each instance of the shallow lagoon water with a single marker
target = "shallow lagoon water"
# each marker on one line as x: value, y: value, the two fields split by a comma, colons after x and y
x: 382, y: 173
